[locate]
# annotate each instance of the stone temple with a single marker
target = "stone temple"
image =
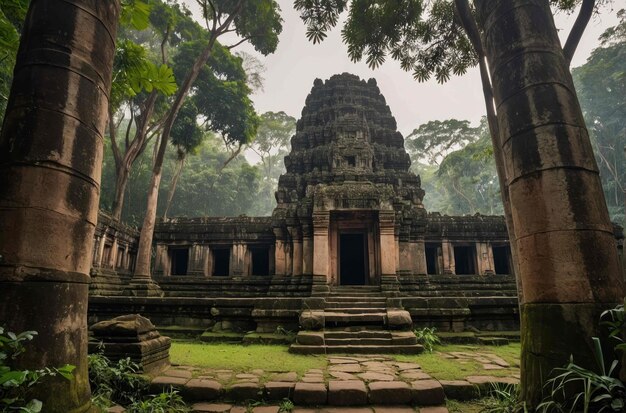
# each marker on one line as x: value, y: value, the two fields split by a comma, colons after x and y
x: 349, y: 244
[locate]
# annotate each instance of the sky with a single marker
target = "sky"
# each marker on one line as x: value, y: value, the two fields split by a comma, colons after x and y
x: 291, y: 70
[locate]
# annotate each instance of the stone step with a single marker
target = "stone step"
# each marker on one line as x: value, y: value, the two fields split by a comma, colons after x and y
x: 356, y: 298
x: 350, y: 310
x: 340, y: 318
x: 370, y: 337
x: 378, y: 341
x: 357, y: 349
x: 354, y: 304
x: 354, y: 294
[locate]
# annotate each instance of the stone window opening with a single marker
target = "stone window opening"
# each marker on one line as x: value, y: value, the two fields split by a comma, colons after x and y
x: 465, y: 259
x: 351, y: 160
x: 502, y: 259
x: 179, y: 261
x: 260, y: 261
x: 221, y: 262
x: 433, y: 254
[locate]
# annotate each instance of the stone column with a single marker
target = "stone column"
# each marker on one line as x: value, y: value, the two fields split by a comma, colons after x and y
x: 447, y: 252
x: 296, y: 239
x: 567, y: 258
x: 418, y: 256
x: 387, y: 243
x: 484, y: 258
x: 307, y: 249
x: 50, y: 160
x: 162, y: 260
x: 197, y: 259
x: 238, y: 258
x: 321, y: 253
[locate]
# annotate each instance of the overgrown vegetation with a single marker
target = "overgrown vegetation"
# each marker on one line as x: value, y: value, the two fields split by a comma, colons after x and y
x: 427, y: 337
x: 16, y: 385
x: 119, y: 383
x: 577, y: 389
x: 115, y: 382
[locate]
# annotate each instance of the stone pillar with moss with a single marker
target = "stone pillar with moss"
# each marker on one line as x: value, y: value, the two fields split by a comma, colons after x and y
x: 51, y: 148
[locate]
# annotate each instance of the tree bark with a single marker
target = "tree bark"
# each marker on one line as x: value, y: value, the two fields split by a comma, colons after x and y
x: 170, y: 193
x: 568, y: 262
x: 50, y: 162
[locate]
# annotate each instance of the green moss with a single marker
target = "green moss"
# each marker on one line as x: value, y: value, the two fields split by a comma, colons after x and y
x: 242, y: 358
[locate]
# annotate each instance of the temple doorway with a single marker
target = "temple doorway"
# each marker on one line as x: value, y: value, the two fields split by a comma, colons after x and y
x: 353, y: 259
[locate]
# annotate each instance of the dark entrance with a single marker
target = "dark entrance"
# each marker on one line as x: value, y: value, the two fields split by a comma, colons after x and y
x: 501, y: 256
x: 260, y: 261
x: 352, y: 259
x: 221, y: 262
x: 180, y: 261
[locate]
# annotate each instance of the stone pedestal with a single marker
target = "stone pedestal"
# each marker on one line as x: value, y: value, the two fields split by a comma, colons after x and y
x: 132, y: 336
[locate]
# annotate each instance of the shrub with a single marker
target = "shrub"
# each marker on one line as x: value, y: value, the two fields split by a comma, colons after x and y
x: 427, y: 337
x: 115, y: 382
x: 502, y: 398
x: 16, y: 385
x: 168, y: 402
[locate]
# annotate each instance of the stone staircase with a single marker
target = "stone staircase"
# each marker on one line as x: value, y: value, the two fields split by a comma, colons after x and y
x: 355, y: 320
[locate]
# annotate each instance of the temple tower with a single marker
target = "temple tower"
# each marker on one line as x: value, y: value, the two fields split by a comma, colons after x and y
x: 349, y: 211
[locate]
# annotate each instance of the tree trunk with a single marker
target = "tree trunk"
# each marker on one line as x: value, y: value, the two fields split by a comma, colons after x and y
x: 144, y: 252
x: 568, y: 262
x: 170, y: 193
x: 121, y: 180
x: 51, y: 148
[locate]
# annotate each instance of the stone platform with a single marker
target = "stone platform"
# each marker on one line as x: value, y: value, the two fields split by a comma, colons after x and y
x: 348, y: 382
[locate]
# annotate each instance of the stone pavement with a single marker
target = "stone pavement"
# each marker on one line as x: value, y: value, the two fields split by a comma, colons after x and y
x: 347, y: 381
x: 228, y: 408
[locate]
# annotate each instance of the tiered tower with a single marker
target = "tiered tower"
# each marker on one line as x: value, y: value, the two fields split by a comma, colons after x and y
x: 349, y: 210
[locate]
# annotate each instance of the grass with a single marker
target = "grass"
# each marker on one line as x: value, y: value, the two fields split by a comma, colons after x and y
x: 276, y: 358
x: 240, y: 358
x: 447, y: 369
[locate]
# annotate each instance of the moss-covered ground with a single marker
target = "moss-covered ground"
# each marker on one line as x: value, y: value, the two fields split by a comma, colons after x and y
x: 242, y: 358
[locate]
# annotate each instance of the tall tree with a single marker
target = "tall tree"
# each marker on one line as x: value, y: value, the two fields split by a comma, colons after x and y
x: 601, y: 85
x: 271, y: 144
x: 558, y: 222
x: 141, y: 80
x: 254, y: 21
x: 432, y: 141
x: 50, y: 159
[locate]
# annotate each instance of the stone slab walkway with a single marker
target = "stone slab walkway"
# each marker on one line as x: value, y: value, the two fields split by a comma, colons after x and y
x: 353, y: 381
x: 228, y: 408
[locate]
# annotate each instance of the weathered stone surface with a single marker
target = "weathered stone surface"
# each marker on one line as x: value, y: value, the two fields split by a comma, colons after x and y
x: 373, y: 376
x: 244, y: 391
x: 459, y: 389
x: 346, y: 368
x: 312, y: 320
x: 266, y: 409
x: 132, y: 336
x: 212, y: 407
x: 437, y: 409
x: 427, y: 392
x: 184, y: 374
x: 310, y: 394
x: 347, y: 393
x: 116, y: 409
x: 278, y: 390
x: 389, y: 392
x: 202, y: 390
x: 399, y: 319
x: 163, y: 383
x: 290, y: 376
